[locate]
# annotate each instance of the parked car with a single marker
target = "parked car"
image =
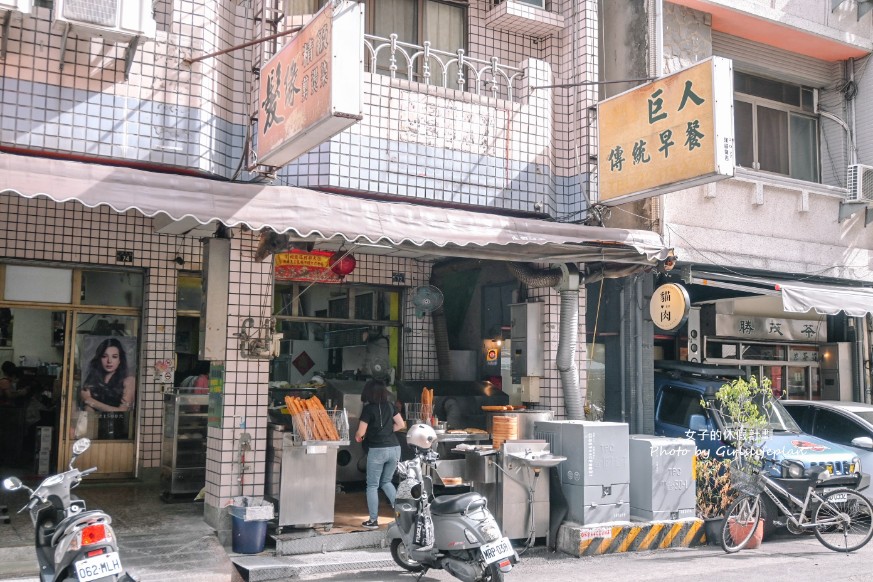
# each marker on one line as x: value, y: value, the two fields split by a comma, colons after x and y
x: 849, y: 424
x: 680, y: 388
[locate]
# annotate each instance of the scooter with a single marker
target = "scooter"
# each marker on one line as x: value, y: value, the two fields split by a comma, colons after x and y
x: 72, y: 544
x: 455, y: 533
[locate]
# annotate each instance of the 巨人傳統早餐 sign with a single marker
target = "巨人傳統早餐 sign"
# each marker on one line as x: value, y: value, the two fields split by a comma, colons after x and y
x: 667, y: 135
x: 311, y: 89
x: 669, y: 306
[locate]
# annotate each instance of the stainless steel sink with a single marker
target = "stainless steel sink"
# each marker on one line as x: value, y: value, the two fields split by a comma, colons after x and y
x: 538, y: 459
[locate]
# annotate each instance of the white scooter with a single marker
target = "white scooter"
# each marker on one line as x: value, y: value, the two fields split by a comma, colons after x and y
x: 72, y: 544
x: 455, y: 533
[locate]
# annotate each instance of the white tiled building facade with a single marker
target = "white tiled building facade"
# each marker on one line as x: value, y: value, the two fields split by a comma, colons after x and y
x: 530, y: 154
x: 533, y: 153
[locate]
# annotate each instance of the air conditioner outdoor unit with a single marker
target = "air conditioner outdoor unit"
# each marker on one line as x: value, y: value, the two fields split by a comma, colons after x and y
x: 535, y: 3
x: 114, y: 20
x: 23, y: 6
x: 860, y: 183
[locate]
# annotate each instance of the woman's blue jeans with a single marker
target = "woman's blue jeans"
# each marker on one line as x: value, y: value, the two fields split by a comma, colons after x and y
x: 381, y: 464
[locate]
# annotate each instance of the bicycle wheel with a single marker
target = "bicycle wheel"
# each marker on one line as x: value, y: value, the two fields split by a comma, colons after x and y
x: 740, y: 523
x: 844, y: 521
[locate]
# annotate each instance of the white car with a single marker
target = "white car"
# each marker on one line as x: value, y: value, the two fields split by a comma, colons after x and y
x: 849, y: 424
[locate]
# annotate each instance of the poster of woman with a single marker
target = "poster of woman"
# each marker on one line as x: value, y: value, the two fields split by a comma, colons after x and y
x: 108, y: 387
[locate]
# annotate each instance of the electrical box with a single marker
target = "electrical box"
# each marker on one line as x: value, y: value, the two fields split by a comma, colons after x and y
x: 213, y: 309
x: 835, y: 360
x: 595, y: 478
x: 527, y: 340
x: 662, y: 484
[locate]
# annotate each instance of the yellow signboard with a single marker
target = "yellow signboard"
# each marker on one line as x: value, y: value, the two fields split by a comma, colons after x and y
x: 669, y: 134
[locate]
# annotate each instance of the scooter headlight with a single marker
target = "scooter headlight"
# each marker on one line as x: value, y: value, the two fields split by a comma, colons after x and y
x: 490, y: 531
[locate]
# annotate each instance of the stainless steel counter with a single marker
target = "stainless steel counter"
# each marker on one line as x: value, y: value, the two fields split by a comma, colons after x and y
x: 301, y: 478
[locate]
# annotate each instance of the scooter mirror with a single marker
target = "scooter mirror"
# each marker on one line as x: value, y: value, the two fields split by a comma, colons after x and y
x: 80, y: 446
x: 12, y: 483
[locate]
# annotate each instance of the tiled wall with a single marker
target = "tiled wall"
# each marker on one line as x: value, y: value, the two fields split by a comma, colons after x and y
x: 245, y: 382
x: 69, y: 233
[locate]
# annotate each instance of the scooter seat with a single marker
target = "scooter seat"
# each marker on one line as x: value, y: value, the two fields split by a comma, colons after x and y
x: 446, y: 504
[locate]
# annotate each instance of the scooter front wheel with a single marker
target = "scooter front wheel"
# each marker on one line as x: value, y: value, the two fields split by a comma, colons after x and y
x: 400, y: 553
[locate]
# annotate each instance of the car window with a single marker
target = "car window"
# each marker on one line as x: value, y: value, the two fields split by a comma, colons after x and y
x: 677, y: 406
x: 803, y: 415
x: 837, y: 428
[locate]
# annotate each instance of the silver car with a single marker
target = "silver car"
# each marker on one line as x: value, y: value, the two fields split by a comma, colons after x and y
x: 849, y: 424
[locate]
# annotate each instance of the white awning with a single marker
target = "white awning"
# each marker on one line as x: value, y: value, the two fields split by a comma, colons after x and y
x: 826, y: 300
x: 797, y: 296
x: 313, y: 215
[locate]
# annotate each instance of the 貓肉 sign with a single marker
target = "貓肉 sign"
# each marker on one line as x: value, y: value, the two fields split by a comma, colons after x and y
x: 669, y: 134
x: 311, y: 89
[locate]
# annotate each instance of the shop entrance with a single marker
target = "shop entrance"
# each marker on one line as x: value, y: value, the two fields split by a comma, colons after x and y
x: 72, y: 368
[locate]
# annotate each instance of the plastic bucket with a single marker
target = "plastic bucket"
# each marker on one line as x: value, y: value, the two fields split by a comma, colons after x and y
x: 249, y: 537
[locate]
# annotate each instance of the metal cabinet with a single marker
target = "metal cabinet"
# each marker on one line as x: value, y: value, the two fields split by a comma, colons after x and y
x: 183, y: 450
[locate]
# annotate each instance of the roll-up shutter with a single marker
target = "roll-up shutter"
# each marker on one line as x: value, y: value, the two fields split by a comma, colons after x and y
x: 767, y: 61
x: 760, y: 59
x: 864, y: 111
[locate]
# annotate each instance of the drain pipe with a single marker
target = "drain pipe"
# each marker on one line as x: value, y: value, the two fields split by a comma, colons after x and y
x: 565, y: 279
x: 568, y: 339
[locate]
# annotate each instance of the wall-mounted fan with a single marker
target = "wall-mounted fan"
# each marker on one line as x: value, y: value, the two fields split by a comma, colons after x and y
x: 426, y: 299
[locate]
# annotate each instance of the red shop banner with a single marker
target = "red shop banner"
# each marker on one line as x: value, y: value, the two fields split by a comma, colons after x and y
x: 298, y: 265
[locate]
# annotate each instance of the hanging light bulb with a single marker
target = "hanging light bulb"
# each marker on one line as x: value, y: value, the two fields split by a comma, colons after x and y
x: 342, y: 263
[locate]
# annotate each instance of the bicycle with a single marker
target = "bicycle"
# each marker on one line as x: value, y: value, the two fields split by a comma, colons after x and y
x: 842, y: 519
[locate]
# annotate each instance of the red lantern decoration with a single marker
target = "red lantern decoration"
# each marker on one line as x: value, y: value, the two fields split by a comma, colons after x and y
x: 342, y: 263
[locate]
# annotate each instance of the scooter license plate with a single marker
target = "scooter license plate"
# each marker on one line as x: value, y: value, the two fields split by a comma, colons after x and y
x: 497, y: 550
x: 98, y: 567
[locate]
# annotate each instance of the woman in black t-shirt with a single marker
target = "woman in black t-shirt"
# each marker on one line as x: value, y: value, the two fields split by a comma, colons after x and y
x: 378, y: 423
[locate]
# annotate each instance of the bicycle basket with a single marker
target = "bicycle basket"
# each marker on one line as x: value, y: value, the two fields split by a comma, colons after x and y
x: 743, y: 482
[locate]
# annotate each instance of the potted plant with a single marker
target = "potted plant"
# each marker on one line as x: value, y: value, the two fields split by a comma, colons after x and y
x: 714, y: 495
x: 742, y: 405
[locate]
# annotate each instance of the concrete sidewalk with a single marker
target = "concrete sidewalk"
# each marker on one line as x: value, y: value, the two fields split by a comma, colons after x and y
x: 158, y: 541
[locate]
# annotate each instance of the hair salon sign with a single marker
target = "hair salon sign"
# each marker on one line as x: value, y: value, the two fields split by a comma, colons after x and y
x: 312, y: 89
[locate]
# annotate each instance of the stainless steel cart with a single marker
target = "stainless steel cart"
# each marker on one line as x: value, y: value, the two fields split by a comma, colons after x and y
x: 301, y: 475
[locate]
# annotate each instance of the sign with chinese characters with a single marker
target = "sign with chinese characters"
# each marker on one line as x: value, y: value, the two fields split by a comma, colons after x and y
x: 312, y: 88
x: 298, y: 265
x: 669, y: 306
x: 669, y: 134
x: 770, y: 328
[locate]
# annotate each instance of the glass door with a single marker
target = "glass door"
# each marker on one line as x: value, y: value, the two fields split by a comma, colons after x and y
x: 102, y: 391
x: 32, y: 357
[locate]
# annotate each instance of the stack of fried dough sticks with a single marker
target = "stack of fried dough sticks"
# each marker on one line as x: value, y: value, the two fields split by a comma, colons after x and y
x: 427, y: 405
x: 318, y: 424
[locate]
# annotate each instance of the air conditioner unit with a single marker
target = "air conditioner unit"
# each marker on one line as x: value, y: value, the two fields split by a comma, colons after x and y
x: 114, y: 20
x: 535, y: 3
x: 859, y: 183
x: 23, y: 6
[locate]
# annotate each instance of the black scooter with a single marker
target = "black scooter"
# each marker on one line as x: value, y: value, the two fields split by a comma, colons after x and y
x: 72, y: 544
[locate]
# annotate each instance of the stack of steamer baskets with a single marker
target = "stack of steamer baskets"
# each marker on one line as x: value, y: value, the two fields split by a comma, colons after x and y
x: 503, y: 428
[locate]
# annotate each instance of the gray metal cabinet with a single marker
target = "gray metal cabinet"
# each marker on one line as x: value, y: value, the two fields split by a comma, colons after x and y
x: 183, y: 450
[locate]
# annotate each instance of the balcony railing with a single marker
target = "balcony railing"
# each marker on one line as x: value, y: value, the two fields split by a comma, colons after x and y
x: 389, y: 56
